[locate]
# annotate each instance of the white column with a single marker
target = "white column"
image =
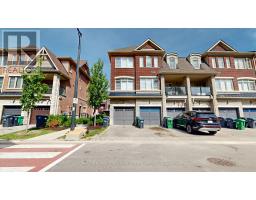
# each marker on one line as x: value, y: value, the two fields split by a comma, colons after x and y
x: 189, y: 100
x: 55, y: 95
x: 164, y: 112
x: 111, y: 114
x: 214, y: 95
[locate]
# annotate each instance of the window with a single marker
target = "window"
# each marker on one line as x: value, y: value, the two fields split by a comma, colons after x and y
x: 171, y: 62
x: 22, y: 59
x: 213, y: 63
x: 149, y: 84
x: 242, y: 63
x: 148, y: 61
x: 155, y: 61
x: 227, y: 62
x: 14, y: 59
x: 124, y: 84
x: 1, y: 82
x: 124, y: 62
x: 195, y: 63
x: 141, y: 61
x: 220, y: 62
x: 246, y: 85
x: 15, y: 82
x: 224, y: 85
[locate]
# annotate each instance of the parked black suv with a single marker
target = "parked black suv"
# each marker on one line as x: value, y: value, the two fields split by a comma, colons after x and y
x: 197, y: 121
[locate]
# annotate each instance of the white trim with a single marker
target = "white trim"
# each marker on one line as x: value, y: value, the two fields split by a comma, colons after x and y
x: 224, y: 77
x: 246, y: 78
x: 117, y: 77
x: 221, y: 41
x: 148, y: 76
x: 149, y: 40
x: 122, y: 105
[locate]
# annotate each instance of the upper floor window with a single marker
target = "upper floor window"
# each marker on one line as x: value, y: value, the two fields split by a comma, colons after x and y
x: 224, y: 85
x: 171, y: 62
x: 15, y: 82
x: 213, y: 63
x: 242, y: 63
x: 227, y: 62
x: 124, y: 84
x: 148, y: 61
x: 1, y: 82
x: 141, y: 61
x: 124, y: 62
x: 195, y: 62
x: 155, y: 61
x: 149, y: 83
x: 22, y: 60
x: 14, y: 59
x: 246, y: 85
x: 220, y: 62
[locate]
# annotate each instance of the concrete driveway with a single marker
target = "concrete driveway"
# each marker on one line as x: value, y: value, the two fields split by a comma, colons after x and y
x: 6, y: 130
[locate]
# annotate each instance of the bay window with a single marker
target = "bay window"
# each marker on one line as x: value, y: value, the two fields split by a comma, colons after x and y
x: 246, y: 85
x: 224, y: 85
x: 124, y: 62
x: 149, y: 83
x: 125, y: 84
x: 242, y: 63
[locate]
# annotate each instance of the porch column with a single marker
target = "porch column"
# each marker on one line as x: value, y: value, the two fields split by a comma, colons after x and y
x: 55, y: 95
x: 111, y: 114
x: 189, y: 100
x: 214, y: 96
x: 137, y: 108
x: 164, y: 112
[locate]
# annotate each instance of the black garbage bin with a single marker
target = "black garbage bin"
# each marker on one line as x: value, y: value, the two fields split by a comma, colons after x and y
x: 105, y: 121
x: 141, y: 123
x: 41, y: 121
x: 230, y: 123
x: 222, y: 122
x: 6, y: 121
x: 15, y: 120
x: 251, y: 123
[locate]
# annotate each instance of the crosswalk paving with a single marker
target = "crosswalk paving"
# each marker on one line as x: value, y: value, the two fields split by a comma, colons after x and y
x: 32, y: 157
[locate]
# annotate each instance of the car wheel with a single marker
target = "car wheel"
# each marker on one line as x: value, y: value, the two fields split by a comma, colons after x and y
x: 212, y: 132
x: 189, y: 128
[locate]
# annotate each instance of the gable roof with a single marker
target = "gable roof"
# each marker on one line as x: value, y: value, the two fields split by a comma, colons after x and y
x: 152, y: 43
x: 221, y: 42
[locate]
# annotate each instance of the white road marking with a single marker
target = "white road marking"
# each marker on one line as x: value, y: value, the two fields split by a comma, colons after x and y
x: 15, y: 169
x: 20, y: 155
x: 41, y: 146
x: 60, y: 159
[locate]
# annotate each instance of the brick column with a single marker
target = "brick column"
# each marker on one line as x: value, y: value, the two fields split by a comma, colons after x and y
x: 214, y: 96
x: 189, y: 100
x: 54, y: 108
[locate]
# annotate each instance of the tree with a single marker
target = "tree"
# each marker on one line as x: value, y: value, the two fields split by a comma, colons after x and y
x: 98, y: 87
x: 33, y: 89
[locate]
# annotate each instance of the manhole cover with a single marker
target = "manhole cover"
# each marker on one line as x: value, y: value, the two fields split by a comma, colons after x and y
x: 221, y: 162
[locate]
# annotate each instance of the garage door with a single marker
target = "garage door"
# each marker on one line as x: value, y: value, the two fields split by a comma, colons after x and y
x: 123, y: 115
x: 228, y: 113
x: 173, y: 112
x: 202, y: 109
x: 11, y: 110
x: 39, y: 110
x: 250, y: 112
x: 151, y: 115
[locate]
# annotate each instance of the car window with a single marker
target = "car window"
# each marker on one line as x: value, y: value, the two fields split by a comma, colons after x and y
x: 206, y: 115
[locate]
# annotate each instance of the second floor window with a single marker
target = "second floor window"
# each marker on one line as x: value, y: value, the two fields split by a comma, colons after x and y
x: 155, y: 61
x: 14, y: 59
x: 1, y: 82
x: 148, y: 61
x: 22, y: 59
x: 141, y: 61
x: 224, y: 84
x: 125, y: 84
x: 220, y: 62
x: 124, y: 62
x: 213, y: 63
x: 227, y: 62
x: 246, y: 85
x: 15, y: 82
x: 149, y: 84
x: 242, y: 63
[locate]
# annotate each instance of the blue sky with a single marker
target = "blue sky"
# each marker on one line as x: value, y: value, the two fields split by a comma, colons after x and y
x: 97, y: 42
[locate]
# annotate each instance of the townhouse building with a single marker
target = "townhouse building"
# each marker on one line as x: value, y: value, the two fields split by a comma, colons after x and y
x: 149, y: 82
x: 60, y: 74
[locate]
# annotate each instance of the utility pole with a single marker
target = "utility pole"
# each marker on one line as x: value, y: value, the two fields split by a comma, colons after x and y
x: 75, y: 99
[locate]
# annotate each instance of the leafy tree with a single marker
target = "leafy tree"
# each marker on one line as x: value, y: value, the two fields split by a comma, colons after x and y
x: 33, y: 89
x: 98, y: 87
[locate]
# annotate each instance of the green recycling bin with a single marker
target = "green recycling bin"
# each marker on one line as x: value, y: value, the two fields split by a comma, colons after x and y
x: 20, y: 120
x: 169, y: 122
x: 240, y: 124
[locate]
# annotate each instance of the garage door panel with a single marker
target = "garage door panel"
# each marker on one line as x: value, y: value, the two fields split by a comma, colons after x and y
x: 11, y: 110
x: 151, y: 115
x: 123, y: 115
x: 249, y: 112
x: 228, y: 113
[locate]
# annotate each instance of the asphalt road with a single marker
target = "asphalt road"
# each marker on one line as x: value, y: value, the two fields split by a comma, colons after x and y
x: 128, y: 149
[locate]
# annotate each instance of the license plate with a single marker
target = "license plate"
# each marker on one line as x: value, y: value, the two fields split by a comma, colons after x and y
x: 210, y: 121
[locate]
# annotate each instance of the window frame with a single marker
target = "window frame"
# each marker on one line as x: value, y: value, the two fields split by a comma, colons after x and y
x: 15, y: 81
x: 171, y: 61
x: 227, y: 61
x: 126, y: 62
x: 141, y: 62
x: 156, y: 60
x: 242, y: 63
x: 1, y: 87
x: 222, y: 62
x: 198, y: 62
x: 247, y: 82
x: 223, y: 85
x: 149, y: 58
x: 214, y: 64
x: 126, y: 80
x: 152, y: 80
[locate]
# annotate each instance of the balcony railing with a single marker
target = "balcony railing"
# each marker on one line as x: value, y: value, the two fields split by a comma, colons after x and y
x: 201, y: 91
x: 175, y: 91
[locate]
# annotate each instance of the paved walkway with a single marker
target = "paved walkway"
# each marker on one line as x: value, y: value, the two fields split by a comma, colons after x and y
x: 6, y: 130
x: 50, y: 136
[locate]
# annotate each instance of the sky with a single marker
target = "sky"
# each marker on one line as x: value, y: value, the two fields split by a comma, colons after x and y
x: 97, y: 42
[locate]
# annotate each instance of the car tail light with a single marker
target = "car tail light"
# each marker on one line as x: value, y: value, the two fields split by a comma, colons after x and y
x: 199, y: 119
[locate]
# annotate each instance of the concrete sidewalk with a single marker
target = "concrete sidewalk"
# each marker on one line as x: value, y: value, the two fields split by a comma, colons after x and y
x: 6, y: 130
x: 50, y: 136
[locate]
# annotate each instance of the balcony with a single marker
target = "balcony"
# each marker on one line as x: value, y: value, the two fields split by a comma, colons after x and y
x: 175, y: 91
x: 200, y: 91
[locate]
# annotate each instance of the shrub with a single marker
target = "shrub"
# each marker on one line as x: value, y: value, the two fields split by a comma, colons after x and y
x: 82, y: 120
x: 67, y: 123
x: 53, y: 121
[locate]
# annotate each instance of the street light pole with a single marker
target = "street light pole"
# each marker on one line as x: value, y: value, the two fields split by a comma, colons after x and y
x: 75, y: 99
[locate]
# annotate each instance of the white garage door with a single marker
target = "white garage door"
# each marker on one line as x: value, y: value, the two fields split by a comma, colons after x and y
x: 228, y: 113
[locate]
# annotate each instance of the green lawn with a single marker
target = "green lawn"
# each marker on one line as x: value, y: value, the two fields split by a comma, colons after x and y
x: 22, y: 135
x: 94, y: 132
